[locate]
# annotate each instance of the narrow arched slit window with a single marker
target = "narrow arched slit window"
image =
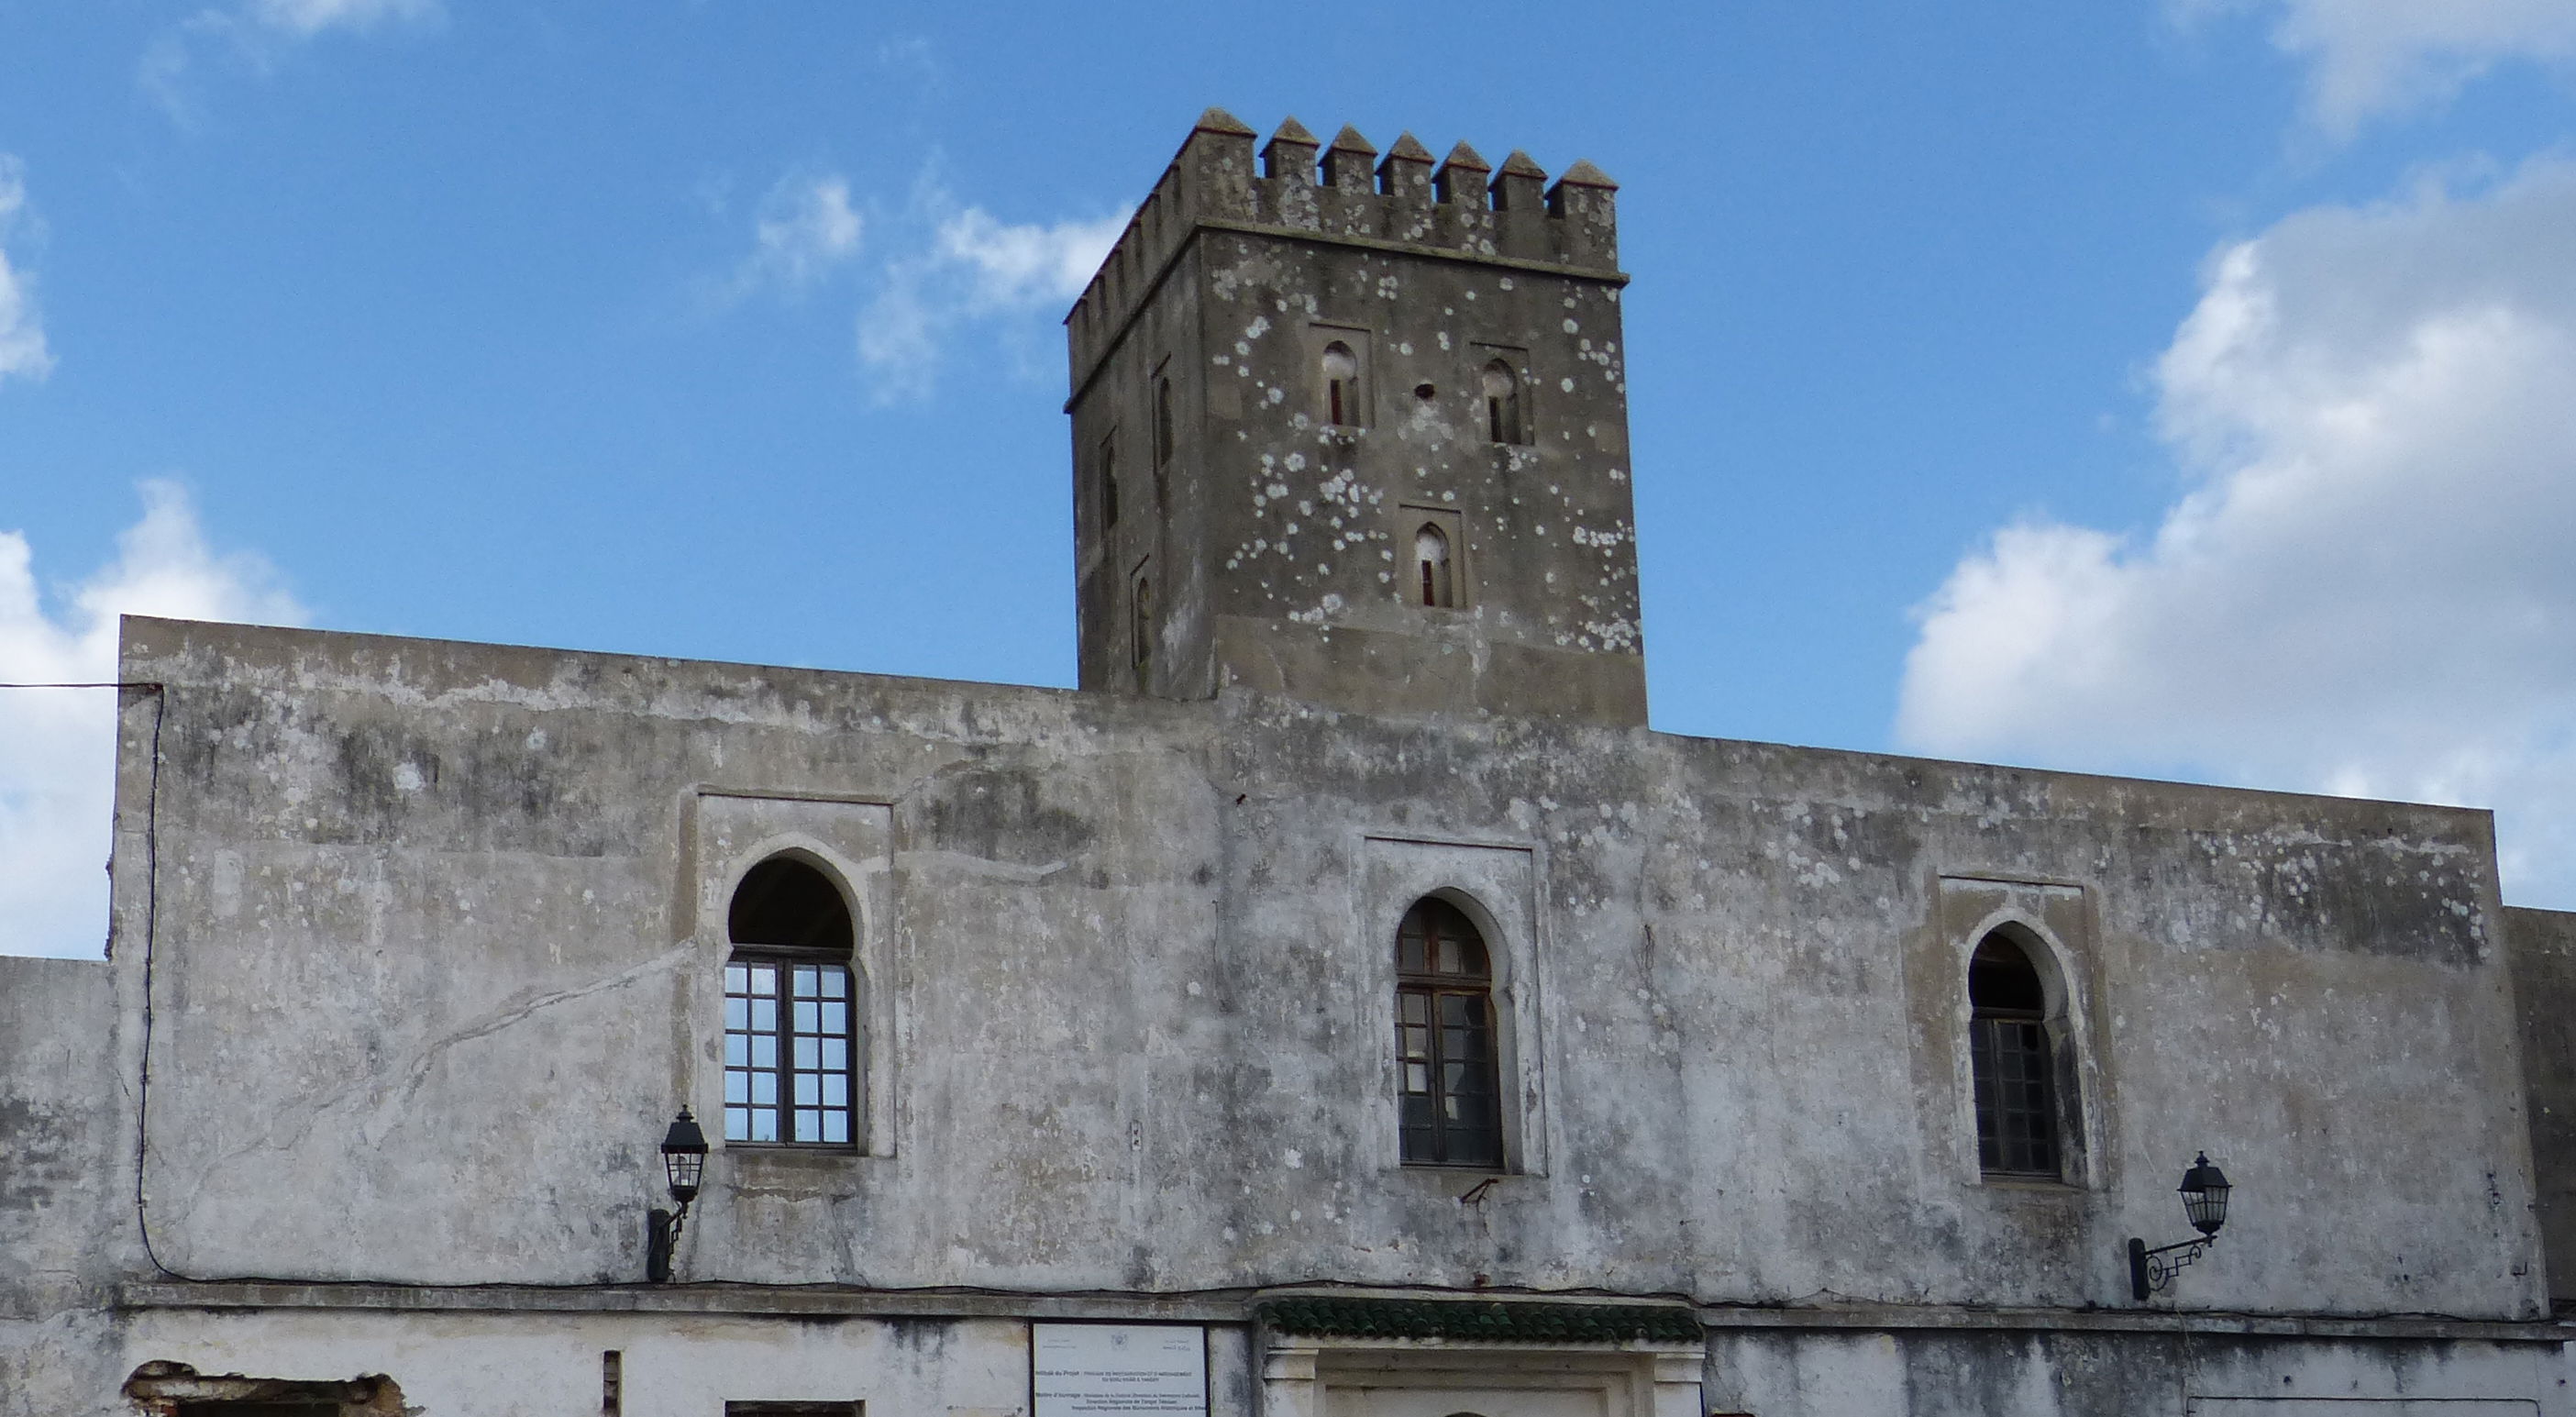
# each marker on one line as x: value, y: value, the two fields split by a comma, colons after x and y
x: 1163, y: 425
x: 1435, y: 579
x: 1449, y: 1096
x: 1341, y: 385
x: 1502, y: 389
x: 2010, y: 1055
x: 1141, y: 628
x: 1108, y: 482
x: 791, y: 1015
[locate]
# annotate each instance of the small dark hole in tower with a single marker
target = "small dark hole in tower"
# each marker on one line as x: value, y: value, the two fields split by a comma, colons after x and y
x: 1425, y: 392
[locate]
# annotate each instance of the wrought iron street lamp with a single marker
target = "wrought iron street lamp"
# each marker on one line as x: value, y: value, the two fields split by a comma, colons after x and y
x: 2204, y: 1203
x: 684, y: 1164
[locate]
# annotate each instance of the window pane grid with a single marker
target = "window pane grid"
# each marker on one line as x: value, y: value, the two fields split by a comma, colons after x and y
x: 2016, y: 1121
x: 788, y: 1052
x: 1448, y: 1107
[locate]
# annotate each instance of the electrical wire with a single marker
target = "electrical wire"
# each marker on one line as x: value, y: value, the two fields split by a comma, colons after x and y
x: 151, y: 936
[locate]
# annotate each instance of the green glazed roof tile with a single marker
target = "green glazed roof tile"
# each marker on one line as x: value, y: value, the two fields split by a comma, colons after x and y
x: 1481, y: 1321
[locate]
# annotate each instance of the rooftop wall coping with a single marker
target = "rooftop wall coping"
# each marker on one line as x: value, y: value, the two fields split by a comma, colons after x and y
x: 154, y: 642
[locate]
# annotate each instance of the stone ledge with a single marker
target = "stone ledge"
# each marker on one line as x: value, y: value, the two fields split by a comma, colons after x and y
x: 1223, y: 1307
x: 1240, y: 1306
x: 1536, y: 265
x: 1954, y: 1318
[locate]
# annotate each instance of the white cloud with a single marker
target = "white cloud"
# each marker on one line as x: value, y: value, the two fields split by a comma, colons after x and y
x: 899, y: 339
x: 805, y: 227
x: 2369, y: 588
x: 256, y: 33
x: 976, y: 268
x: 1026, y: 265
x: 302, y: 19
x: 57, y: 746
x: 23, y: 352
x: 2369, y: 58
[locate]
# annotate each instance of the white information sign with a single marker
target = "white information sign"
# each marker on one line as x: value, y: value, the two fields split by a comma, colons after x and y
x: 1117, y: 1370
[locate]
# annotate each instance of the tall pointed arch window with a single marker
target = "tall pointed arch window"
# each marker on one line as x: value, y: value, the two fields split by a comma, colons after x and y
x: 1501, y: 386
x: 791, y: 1015
x: 1109, y: 482
x: 2013, y: 1062
x: 1449, y: 1096
x: 1341, y: 370
x: 1435, y: 579
x: 1140, y: 627
x: 1164, y: 429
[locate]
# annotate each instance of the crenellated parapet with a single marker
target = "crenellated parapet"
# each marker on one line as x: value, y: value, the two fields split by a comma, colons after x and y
x: 1295, y: 184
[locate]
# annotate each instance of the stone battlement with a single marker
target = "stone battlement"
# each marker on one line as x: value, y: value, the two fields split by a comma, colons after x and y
x: 1459, y: 206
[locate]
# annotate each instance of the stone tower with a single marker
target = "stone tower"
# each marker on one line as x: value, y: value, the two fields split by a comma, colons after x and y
x: 1355, y: 431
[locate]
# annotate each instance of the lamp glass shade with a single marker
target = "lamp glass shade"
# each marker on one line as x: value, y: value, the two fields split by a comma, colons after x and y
x: 684, y: 1157
x: 2204, y: 1196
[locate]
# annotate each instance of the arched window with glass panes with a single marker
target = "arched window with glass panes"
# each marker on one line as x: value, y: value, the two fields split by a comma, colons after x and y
x: 791, y: 1010
x: 2013, y: 1061
x: 1447, y: 1053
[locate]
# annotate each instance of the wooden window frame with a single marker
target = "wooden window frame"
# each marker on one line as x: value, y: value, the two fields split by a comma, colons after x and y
x: 1507, y: 414
x: 1436, y: 587
x: 784, y: 1034
x: 1344, y: 405
x: 1447, y: 1032
x: 1411, y: 518
x: 2013, y: 1071
x: 1520, y: 428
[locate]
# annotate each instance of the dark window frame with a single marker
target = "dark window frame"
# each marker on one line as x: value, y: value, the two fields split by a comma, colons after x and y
x: 1108, y: 464
x: 1437, y: 580
x: 788, y: 1004
x: 1142, y: 622
x: 1448, y: 1042
x: 1340, y: 404
x: 1405, y: 530
x: 1506, y: 413
x: 1342, y: 401
x: 779, y: 997
x: 2013, y: 1063
x: 1166, y: 432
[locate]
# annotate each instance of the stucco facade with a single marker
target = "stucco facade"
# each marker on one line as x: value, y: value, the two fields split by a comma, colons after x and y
x: 418, y: 946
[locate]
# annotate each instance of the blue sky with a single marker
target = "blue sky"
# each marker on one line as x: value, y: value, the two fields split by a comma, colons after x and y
x: 2176, y: 388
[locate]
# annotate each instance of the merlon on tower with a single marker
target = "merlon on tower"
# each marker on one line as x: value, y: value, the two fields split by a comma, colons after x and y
x: 1352, y: 429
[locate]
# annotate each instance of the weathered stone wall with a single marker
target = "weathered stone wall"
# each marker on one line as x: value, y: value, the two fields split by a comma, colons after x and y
x: 2543, y: 951
x: 1161, y: 525
x: 435, y: 966
x: 1281, y: 542
x: 58, y: 1030
x: 483, y: 1364
x: 469, y: 1359
x: 2100, y: 1372
x: 66, y: 1202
